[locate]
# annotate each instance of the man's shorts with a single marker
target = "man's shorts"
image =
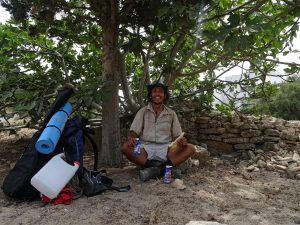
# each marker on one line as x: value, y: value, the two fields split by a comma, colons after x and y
x: 156, y: 151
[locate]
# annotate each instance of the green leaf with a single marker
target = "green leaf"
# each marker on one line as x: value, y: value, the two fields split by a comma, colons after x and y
x: 296, y: 12
x: 19, y: 94
x: 245, y: 42
x: 163, y: 11
x: 230, y: 44
x: 234, y: 20
x: 6, y: 95
x: 179, y: 8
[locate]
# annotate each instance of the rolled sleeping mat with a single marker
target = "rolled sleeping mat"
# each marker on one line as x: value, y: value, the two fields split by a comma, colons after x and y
x: 51, y: 134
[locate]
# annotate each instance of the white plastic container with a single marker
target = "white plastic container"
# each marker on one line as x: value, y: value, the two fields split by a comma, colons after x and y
x: 54, y: 176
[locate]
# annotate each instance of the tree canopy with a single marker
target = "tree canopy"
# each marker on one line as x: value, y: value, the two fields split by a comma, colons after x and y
x: 108, y: 50
x: 284, y: 102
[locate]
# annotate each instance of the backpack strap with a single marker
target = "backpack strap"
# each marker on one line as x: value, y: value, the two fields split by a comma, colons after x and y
x: 119, y: 189
x: 108, y: 183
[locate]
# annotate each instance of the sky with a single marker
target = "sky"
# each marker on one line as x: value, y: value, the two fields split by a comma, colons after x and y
x: 292, y: 57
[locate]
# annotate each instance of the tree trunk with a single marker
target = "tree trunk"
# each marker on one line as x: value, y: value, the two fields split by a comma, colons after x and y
x: 110, y: 149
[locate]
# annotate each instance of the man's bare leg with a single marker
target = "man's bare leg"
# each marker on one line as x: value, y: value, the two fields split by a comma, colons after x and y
x: 129, y: 153
x: 181, y: 155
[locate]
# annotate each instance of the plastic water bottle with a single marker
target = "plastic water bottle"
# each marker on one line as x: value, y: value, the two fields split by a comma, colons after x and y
x: 54, y: 176
x: 137, y: 147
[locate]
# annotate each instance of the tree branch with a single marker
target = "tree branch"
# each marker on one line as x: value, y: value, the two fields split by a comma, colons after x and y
x: 124, y: 84
x: 176, y: 46
x: 145, y: 71
x: 255, y: 8
x: 227, y: 12
x: 210, y: 66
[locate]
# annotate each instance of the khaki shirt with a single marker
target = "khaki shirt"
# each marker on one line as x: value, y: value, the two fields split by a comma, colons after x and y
x: 163, y: 129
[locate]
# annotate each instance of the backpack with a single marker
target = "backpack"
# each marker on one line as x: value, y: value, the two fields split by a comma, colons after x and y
x: 87, y: 182
x: 73, y: 141
x: 17, y: 183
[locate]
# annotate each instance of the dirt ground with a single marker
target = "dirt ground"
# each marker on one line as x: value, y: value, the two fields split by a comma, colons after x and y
x: 219, y: 191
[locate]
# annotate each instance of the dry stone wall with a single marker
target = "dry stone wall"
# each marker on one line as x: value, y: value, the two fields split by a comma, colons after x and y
x: 239, y: 133
x: 255, y: 143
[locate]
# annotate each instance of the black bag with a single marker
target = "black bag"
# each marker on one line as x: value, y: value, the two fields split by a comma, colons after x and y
x: 94, y: 182
x: 17, y: 183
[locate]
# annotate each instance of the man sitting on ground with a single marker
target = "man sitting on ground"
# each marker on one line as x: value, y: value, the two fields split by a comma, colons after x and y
x: 156, y: 125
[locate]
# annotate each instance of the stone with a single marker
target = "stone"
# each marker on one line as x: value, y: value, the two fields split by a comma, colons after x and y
x: 195, y: 162
x: 251, y: 133
x: 215, y: 123
x: 178, y: 184
x: 296, y: 157
x: 297, y: 176
x: 14, y: 151
x: 218, y: 146
x: 251, y: 155
x: 271, y: 139
x: 259, y: 151
x: 269, y: 167
x: 203, y: 119
x: 202, y: 222
x: 227, y: 125
x: 237, y: 125
x: 214, y: 137
x: 270, y: 146
x: 229, y: 135
x: 244, y: 146
x: 202, y: 137
x: 283, y: 163
x: 292, y: 165
x: 292, y: 123
x: 261, y: 164
x: 245, y: 156
x: 250, y: 168
x: 231, y: 156
x: 238, y: 140
x: 233, y: 130
x: 257, y: 140
x: 203, y: 145
x: 282, y: 144
x: 201, y: 154
x: 272, y: 132
x: 12, y: 165
x: 265, y: 126
x: 220, y: 130
x: 243, y: 164
x: 289, y: 134
x: 236, y: 118
x: 218, y: 162
x: 249, y: 126
x: 280, y: 127
x: 203, y: 125
x: 291, y: 142
x: 256, y: 169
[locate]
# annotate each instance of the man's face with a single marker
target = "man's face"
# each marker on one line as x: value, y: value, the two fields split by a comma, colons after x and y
x: 157, y: 95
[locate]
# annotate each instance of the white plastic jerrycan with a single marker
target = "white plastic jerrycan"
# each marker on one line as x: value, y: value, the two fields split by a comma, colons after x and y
x: 54, y: 176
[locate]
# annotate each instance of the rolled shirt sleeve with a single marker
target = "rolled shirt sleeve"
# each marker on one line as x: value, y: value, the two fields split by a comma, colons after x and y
x: 138, y: 122
x: 176, y: 128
